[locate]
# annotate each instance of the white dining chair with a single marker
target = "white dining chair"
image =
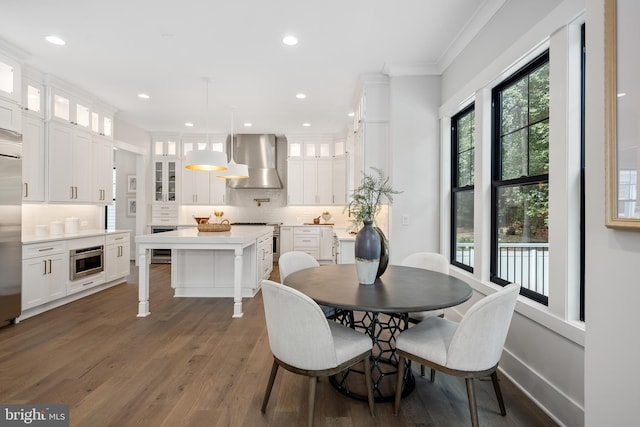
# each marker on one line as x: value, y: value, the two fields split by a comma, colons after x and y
x: 315, y: 347
x: 469, y: 349
x: 293, y: 261
x: 427, y: 261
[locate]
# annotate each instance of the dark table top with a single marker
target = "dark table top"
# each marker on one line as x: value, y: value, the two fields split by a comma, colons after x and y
x: 398, y: 290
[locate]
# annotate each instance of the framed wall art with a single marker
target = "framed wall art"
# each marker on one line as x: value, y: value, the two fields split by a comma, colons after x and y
x: 622, y: 113
x: 131, y: 183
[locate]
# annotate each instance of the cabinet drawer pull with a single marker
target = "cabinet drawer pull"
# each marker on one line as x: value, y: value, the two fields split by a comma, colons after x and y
x: 26, y: 189
x: 45, y: 267
x: 49, y: 266
x: 45, y: 249
x: 88, y: 283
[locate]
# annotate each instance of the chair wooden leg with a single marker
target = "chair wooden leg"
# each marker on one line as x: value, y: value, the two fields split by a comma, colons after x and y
x: 496, y: 388
x: 312, y: 399
x: 473, y: 409
x: 267, y: 393
x: 369, y: 384
x: 401, y: 367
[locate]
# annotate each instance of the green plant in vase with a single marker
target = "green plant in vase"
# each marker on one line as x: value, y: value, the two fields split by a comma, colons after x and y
x: 371, y: 246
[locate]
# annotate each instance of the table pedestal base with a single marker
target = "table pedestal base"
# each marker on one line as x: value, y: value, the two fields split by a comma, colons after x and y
x: 383, y: 330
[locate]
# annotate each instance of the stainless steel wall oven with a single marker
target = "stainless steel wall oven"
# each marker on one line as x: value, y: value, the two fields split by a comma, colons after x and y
x: 86, y: 261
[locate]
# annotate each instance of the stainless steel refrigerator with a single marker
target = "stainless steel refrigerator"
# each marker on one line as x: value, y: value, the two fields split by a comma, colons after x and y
x: 10, y: 226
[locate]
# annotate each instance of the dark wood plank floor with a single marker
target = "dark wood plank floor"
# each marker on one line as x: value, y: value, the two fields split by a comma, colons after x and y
x: 190, y: 364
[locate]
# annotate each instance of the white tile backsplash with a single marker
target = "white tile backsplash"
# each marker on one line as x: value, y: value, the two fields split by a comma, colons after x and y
x: 90, y: 216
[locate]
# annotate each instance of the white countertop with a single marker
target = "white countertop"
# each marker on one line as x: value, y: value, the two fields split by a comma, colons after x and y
x: 343, y: 234
x: 237, y: 234
x: 32, y: 238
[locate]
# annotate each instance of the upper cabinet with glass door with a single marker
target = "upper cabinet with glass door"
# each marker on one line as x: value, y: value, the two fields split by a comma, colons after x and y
x: 10, y: 90
x: 102, y: 119
x: 68, y: 107
x: 10, y: 79
x: 165, y: 145
x: 310, y: 149
x: 33, y: 96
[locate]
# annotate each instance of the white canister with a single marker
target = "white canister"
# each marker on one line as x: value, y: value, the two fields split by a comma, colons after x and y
x: 56, y: 227
x: 71, y: 225
x: 42, y: 230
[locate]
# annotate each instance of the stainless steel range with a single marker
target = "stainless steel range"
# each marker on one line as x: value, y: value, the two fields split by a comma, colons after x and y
x: 276, y: 235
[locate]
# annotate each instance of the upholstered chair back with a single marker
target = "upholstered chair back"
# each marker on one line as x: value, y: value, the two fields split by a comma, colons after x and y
x: 428, y: 261
x: 478, y: 341
x: 293, y: 261
x: 299, y: 334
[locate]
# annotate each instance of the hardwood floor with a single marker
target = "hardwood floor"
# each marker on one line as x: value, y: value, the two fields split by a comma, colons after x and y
x: 190, y: 364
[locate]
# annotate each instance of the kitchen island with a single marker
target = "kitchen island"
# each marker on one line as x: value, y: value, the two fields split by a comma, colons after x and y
x: 211, y: 264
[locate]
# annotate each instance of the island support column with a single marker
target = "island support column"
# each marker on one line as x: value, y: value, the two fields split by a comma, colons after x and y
x: 143, y: 282
x: 237, y: 283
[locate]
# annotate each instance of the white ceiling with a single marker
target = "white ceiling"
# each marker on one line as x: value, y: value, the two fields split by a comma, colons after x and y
x: 118, y: 48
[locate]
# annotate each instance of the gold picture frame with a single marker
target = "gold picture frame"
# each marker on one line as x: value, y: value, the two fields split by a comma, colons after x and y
x: 622, y: 114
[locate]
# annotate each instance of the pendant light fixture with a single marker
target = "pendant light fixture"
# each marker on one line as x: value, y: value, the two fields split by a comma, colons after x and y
x: 234, y: 170
x: 206, y: 160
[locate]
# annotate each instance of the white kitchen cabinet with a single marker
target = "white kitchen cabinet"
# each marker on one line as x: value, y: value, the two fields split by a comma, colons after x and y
x: 339, y: 175
x: 165, y: 147
x: 317, y: 241
x: 326, y: 244
x: 218, y: 191
x: 67, y: 107
x: 195, y: 187
x: 117, y: 254
x: 286, y: 239
x: 10, y: 79
x: 33, y: 155
x: 307, y: 239
x: 264, y: 255
x: 346, y: 251
x: 10, y: 116
x: 371, y: 128
x: 102, y: 171
x: 70, y: 162
x: 33, y: 97
x: 318, y: 181
x: 295, y: 189
x: 45, y: 270
x: 102, y: 120
x: 166, y: 179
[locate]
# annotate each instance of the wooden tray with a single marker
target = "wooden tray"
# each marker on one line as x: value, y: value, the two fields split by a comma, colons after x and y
x: 224, y: 226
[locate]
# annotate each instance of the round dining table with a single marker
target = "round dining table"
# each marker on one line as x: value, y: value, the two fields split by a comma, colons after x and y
x: 380, y: 310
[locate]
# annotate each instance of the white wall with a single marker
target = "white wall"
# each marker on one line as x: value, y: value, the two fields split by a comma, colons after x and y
x: 544, y: 353
x: 611, y: 385
x: 414, y: 153
x: 125, y: 164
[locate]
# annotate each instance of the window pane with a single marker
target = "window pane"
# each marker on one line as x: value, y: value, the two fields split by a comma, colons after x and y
x: 539, y: 94
x: 514, y: 105
x: 522, y: 235
x: 465, y: 168
x: 463, y: 202
x: 466, y: 129
x: 514, y: 155
x: 539, y: 148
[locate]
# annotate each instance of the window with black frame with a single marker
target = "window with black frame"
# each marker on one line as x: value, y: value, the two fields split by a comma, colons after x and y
x: 520, y: 171
x: 462, y: 184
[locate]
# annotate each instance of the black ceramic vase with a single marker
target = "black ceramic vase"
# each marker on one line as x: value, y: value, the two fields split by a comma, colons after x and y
x: 384, y: 252
x: 367, y: 253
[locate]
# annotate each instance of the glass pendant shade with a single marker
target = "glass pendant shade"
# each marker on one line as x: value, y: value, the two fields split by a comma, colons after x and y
x: 206, y: 160
x: 235, y: 171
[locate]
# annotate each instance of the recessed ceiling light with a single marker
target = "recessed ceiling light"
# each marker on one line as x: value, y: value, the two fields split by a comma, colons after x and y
x: 306, y: 125
x: 290, y: 40
x: 248, y: 125
x: 351, y: 114
x: 143, y: 96
x: 55, y: 40
x: 301, y: 95
x: 189, y: 124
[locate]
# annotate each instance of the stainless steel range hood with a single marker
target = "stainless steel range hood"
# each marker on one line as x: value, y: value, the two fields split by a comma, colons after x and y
x: 258, y: 151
